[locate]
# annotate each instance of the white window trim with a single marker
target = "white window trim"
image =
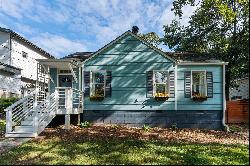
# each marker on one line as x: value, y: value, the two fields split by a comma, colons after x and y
x: 58, y: 73
x: 91, y: 83
x: 70, y: 73
x: 191, y: 87
x: 154, y: 88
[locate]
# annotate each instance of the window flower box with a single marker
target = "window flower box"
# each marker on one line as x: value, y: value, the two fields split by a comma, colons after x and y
x: 96, y: 98
x: 161, y: 96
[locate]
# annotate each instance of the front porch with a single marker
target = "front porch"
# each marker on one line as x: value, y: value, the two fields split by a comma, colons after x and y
x: 58, y: 92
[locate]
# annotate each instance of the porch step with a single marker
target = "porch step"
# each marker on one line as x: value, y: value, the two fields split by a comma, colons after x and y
x: 27, y: 123
x: 20, y: 135
x: 24, y: 129
x: 29, y: 118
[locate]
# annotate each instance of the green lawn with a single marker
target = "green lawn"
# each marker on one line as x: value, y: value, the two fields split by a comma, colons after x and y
x: 124, y: 151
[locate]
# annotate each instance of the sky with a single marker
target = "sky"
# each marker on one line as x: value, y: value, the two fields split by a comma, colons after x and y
x: 62, y: 27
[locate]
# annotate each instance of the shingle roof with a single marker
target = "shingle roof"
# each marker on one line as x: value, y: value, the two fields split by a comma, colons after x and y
x: 3, y: 64
x: 175, y: 56
x: 180, y: 56
x: 192, y: 57
x: 78, y: 55
x: 14, y: 34
x: 9, y: 68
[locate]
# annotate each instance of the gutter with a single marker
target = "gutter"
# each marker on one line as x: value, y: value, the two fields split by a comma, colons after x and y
x: 201, y: 63
x: 226, y: 128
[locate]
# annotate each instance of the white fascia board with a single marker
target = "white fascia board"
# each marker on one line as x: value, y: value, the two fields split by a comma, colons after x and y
x: 201, y: 63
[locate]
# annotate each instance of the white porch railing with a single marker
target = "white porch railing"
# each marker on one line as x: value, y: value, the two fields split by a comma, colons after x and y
x: 20, y: 110
x: 44, y: 113
x: 69, y: 98
x: 27, y: 119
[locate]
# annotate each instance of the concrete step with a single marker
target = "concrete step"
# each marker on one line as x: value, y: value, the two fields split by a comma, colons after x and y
x: 27, y: 123
x: 24, y: 129
x: 29, y: 118
x: 20, y: 135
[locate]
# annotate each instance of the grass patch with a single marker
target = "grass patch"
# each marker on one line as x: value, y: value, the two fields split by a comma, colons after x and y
x: 2, y: 125
x: 124, y: 151
x: 238, y: 127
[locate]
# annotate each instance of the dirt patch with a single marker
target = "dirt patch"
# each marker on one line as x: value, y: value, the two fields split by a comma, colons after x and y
x: 163, y: 134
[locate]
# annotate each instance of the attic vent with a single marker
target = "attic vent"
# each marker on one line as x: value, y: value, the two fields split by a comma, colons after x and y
x: 135, y: 30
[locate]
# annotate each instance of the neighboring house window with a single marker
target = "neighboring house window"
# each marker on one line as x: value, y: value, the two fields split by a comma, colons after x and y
x: 97, y: 83
x: 25, y: 54
x: 199, y: 84
x: 160, y: 83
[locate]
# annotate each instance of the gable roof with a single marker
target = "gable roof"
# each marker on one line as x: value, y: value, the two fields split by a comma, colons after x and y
x: 78, y: 55
x: 14, y: 34
x: 137, y: 37
x: 9, y: 68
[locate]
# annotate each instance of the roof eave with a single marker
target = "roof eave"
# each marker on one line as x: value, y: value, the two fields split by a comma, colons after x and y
x: 153, y: 47
x: 202, y: 63
x: 14, y: 34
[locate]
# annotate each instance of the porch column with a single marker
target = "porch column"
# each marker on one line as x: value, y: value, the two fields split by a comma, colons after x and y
x: 78, y: 119
x: 68, y: 105
x: 67, y: 121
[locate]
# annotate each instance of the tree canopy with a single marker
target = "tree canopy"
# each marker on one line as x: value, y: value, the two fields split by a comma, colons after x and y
x: 219, y: 28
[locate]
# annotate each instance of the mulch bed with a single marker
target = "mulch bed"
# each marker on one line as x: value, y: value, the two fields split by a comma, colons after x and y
x: 107, y: 132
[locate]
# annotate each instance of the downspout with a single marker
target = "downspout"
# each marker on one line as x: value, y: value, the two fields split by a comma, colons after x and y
x: 175, y: 88
x: 225, y: 127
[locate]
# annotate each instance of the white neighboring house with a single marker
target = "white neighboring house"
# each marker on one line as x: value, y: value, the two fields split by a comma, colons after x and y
x: 241, y: 92
x: 18, y: 64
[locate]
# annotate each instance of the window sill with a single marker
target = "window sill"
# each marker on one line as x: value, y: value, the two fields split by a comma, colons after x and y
x: 200, y: 98
x: 161, y: 98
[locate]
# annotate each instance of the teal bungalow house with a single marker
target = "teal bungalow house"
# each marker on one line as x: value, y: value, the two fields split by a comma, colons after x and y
x: 129, y: 82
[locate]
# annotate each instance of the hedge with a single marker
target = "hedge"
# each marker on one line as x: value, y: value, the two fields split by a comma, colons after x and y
x: 4, y: 103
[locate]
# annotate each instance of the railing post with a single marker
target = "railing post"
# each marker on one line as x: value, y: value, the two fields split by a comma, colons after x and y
x: 56, y: 99
x: 69, y: 107
x: 68, y: 100
x: 8, y: 121
x: 35, y: 98
x: 35, y: 121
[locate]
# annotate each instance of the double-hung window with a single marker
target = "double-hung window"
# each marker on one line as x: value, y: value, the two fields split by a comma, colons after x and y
x: 160, y: 83
x: 97, y: 83
x: 199, y: 84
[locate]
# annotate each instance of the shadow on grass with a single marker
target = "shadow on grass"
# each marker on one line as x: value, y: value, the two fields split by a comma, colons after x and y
x: 124, y: 151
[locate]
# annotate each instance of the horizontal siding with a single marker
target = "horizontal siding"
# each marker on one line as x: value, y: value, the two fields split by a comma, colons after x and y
x: 128, y: 57
x: 132, y: 68
x: 129, y: 106
x: 129, y: 60
x: 215, y: 103
x: 5, y: 48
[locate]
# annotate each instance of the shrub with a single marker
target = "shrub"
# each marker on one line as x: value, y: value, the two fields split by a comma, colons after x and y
x: 4, y: 103
x: 146, y: 127
x: 2, y: 126
x: 114, y: 126
x: 174, y: 126
x: 85, y: 124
